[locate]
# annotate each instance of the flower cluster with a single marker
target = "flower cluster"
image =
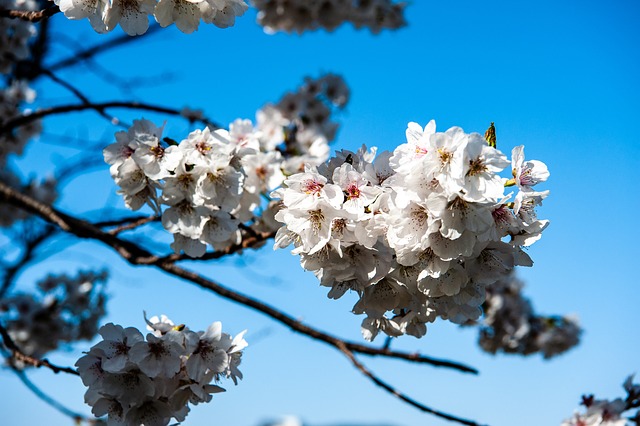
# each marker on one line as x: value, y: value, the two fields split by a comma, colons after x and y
x: 133, y: 15
x: 15, y: 35
x: 418, y: 233
x: 512, y: 326
x: 304, y: 15
x: 67, y: 310
x: 135, y: 381
x: 602, y: 412
x: 212, y: 181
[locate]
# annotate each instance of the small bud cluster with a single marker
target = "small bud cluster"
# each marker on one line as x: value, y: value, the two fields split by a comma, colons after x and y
x: 133, y: 15
x: 305, y: 118
x: 15, y: 34
x: 135, y: 381
x: 304, y: 15
x: 67, y: 310
x: 11, y: 99
x: 512, y: 326
x: 13, y: 142
x: 418, y: 233
x: 603, y: 412
x: 212, y: 181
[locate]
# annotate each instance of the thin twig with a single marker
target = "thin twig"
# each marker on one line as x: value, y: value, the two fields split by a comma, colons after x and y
x: 78, y: 94
x: 30, y: 15
x: 349, y: 354
x: 134, y: 224
x: 92, y: 51
x: 18, y: 355
x: 31, y: 245
x: 49, y: 400
x: 21, y: 120
x: 137, y: 255
x: 248, y: 241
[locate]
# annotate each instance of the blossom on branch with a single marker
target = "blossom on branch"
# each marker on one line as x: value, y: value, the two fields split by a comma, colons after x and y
x: 418, y: 233
x: 604, y: 412
x: 213, y: 181
x: 136, y: 381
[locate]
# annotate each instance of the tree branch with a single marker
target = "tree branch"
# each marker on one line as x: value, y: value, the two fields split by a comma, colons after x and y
x: 21, y: 120
x: 127, y: 224
x: 28, y: 15
x: 31, y: 245
x: 136, y: 255
x: 78, y: 94
x: 90, y: 52
x: 77, y: 417
x: 349, y: 354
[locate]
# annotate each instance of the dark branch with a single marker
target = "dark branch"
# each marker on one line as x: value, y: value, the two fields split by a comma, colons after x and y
x: 77, y: 93
x: 31, y: 16
x: 21, y: 120
x: 400, y: 395
x: 83, y: 55
x: 133, y: 224
x: 31, y: 245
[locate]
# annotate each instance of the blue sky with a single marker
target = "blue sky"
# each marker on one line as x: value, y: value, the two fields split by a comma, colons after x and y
x: 561, y: 79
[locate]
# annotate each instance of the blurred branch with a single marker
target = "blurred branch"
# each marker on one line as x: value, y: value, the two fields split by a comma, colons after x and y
x: 77, y: 93
x: 28, y: 253
x: 77, y: 417
x: 27, y: 15
x: 90, y: 52
x: 21, y: 120
x: 349, y: 354
x: 137, y: 255
x: 18, y: 355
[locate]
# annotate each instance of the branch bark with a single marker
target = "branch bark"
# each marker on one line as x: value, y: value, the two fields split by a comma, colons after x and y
x: 390, y: 389
x: 28, y: 15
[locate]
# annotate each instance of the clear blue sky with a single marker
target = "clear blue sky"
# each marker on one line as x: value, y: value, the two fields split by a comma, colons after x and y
x: 562, y: 78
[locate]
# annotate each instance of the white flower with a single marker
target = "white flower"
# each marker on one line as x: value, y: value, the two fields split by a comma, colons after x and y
x: 306, y: 190
x: 191, y: 246
x: 185, y: 13
x: 116, y: 346
x: 481, y: 164
x: 132, y: 15
x: 222, y: 13
x: 95, y: 10
x: 313, y: 226
x: 357, y: 193
x: 220, y: 229
x: 527, y: 173
x: 159, y: 325
x: 416, y: 147
x: 159, y: 356
x: 185, y: 219
x: 208, y: 355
